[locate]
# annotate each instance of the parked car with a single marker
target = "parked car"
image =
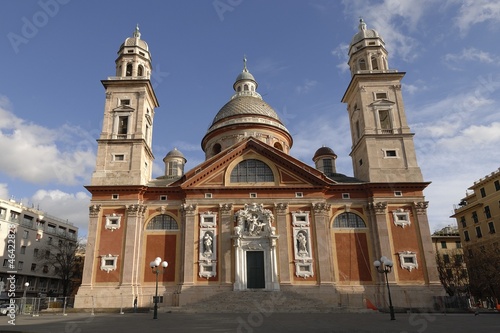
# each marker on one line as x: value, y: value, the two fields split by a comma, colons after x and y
x: 5, y: 308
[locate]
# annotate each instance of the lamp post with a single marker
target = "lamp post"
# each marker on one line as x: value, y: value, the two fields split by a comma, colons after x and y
x: 26, y: 285
x: 384, y: 265
x: 158, y: 267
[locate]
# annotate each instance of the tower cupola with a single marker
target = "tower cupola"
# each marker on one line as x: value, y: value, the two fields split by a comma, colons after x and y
x: 134, y: 59
x: 174, y: 164
x: 367, y: 53
x: 324, y: 159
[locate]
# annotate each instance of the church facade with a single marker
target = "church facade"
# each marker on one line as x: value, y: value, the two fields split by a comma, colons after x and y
x: 251, y: 216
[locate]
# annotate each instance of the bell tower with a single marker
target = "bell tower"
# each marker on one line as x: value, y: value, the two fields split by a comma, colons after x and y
x: 382, y: 144
x: 124, y: 154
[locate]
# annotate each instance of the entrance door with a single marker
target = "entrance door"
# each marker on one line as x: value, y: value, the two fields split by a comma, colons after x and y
x: 255, y: 270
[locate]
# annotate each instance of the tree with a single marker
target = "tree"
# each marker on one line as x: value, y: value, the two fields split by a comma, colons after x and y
x: 65, y: 258
x: 452, y: 272
x: 484, y: 267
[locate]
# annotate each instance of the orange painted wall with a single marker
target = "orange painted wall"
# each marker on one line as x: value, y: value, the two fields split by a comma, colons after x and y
x: 406, y: 239
x: 110, y: 242
x: 163, y: 246
x: 353, y: 257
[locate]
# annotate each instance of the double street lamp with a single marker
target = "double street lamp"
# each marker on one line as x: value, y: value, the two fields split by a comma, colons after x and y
x: 158, y: 267
x: 23, y: 303
x: 384, y: 265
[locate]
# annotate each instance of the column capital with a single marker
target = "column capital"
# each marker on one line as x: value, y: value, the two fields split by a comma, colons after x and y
x: 94, y: 210
x: 421, y: 207
x: 226, y: 208
x: 378, y: 207
x: 188, y: 209
x: 321, y: 207
x: 281, y: 207
x: 136, y: 210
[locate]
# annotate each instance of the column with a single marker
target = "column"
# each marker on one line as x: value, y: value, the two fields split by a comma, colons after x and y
x: 90, y: 251
x: 381, y: 241
x: 284, y: 258
x: 188, y: 243
x: 428, y: 254
x: 323, y: 242
x: 226, y: 220
x: 135, y: 216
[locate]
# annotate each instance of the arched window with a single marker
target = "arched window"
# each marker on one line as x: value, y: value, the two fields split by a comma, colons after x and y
x: 245, y: 87
x: 239, y: 88
x: 140, y: 71
x: 348, y: 220
x: 162, y: 222
x: 129, y: 70
x: 252, y: 171
x: 278, y: 145
x: 374, y: 63
x: 217, y: 149
x: 362, y: 64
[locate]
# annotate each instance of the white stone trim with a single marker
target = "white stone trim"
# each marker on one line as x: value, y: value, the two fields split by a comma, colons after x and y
x: 300, y: 219
x: 113, y: 221
x: 207, y: 253
x: 408, y: 260
x: 108, y: 267
x: 401, y: 217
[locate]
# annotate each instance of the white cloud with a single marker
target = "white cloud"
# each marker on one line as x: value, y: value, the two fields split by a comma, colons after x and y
x: 471, y: 54
x: 477, y: 11
x: 72, y: 207
x: 342, y: 52
x: 41, y: 155
x: 4, y: 191
x: 306, y: 87
x: 414, y: 88
x: 388, y: 18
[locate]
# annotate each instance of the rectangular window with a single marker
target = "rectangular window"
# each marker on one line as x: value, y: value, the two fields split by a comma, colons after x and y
x: 51, y: 228
x: 49, y: 241
x: 458, y: 244
x: 208, y: 195
x: 23, y: 250
x: 444, y: 245
x: 33, y: 267
x: 474, y: 217
x: 391, y: 153
x: 380, y: 95
x: 26, y: 234
x: 491, y: 227
x: 163, y: 197
x: 125, y: 102
x: 299, y: 194
x: 327, y: 166
x: 462, y: 220
x: 5, y: 262
x: 119, y: 157
x: 466, y: 236
x: 14, y: 216
x: 479, y: 234
x: 253, y: 195
x: 459, y: 259
x: 487, y: 212
x: 122, y: 126
x: 20, y: 265
x: 3, y: 213
x: 446, y: 258
x: 398, y: 193
x: 483, y: 192
x: 497, y: 185
x: 385, y: 120
x: 449, y: 273
x: 115, y: 196
x: 27, y: 221
x: 35, y: 253
x: 346, y: 196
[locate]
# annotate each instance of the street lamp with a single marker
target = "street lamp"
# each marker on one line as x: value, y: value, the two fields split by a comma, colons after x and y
x: 155, y: 267
x: 385, y: 266
x: 26, y: 285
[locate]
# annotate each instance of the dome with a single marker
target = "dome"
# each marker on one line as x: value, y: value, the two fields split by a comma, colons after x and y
x: 364, y: 33
x: 136, y: 40
x: 174, y: 153
x: 323, y: 151
x: 245, y: 75
x: 241, y: 109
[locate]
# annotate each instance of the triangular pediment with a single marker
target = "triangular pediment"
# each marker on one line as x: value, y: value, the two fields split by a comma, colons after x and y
x: 288, y: 171
x: 382, y: 102
x: 123, y: 108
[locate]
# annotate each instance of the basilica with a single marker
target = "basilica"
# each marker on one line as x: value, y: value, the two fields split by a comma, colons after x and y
x: 251, y: 217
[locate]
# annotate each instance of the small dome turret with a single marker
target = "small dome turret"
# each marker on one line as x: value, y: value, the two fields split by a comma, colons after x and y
x: 324, y: 159
x: 134, y: 59
x: 174, y: 164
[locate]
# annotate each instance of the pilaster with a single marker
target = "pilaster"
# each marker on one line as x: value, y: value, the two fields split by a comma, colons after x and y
x: 324, y: 248
x: 188, y: 240
x: 428, y: 254
x: 382, y: 243
x: 226, y: 219
x: 284, y: 257
x: 91, y: 248
x: 131, y: 258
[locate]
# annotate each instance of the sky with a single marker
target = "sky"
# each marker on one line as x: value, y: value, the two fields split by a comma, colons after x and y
x: 55, y: 52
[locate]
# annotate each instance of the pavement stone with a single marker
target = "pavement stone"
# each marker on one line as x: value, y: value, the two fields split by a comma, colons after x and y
x: 257, y: 321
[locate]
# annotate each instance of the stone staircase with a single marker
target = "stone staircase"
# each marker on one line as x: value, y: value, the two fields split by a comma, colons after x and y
x: 264, y: 302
